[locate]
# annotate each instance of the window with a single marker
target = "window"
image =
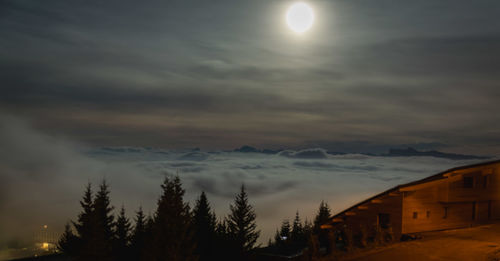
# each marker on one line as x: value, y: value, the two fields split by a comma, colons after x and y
x: 445, y: 212
x: 415, y: 215
x: 468, y: 182
x: 485, y: 181
x: 428, y: 214
x: 384, y: 220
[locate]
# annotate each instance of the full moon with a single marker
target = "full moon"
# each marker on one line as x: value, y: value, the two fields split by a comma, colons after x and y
x: 299, y: 17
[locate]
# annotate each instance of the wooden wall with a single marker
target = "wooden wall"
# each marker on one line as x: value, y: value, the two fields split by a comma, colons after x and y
x: 367, y: 214
x: 446, y: 204
x: 439, y: 204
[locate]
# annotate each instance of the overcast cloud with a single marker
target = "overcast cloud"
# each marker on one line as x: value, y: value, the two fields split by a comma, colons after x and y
x: 220, y: 74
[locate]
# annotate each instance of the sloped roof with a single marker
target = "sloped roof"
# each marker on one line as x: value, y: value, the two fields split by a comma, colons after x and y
x: 437, y: 176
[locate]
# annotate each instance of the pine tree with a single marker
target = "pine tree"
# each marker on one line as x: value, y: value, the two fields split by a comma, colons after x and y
x: 103, y: 233
x: 241, y: 223
x: 308, y: 230
x: 138, y: 237
x: 277, y: 238
x: 122, y: 236
x: 172, y: 233
x: 285, y: 230
x: 298, y: 239
x: 321, y: 218
x: 85, y: 226
x: 204, y: 223
x: 224, y: 246
x: 68, y: 243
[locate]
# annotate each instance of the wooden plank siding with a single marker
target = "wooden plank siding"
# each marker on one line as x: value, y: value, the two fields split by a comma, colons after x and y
x: 453, y: 204
x: 460, y: 197
x: 367, y: 214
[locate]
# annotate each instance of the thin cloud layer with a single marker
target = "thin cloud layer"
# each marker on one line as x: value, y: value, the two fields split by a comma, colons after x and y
x: 217, y: 75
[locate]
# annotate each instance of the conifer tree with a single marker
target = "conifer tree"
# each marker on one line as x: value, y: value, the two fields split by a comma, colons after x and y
x: 308, y: 228
x: 241, y: 223
x: 224, y: 245
x: 85, y: 225
x: 172, y: 233
x: 204, y: 223
x: 285, y: 230
x: 297, y: 236
x: 103, y: 234
x: 277, y: 238
x: 321, y: 218
x: 138, y: 238
x: 68, y: 243
x: 122, y: 236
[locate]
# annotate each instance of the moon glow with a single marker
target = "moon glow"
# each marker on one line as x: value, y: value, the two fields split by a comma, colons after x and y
x: 300, y: 17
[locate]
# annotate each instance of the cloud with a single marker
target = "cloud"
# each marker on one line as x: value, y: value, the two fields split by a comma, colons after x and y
x: 316, y: 153
x: 323, y: 165
x: 42, y: 178
x: 370, y: 71
x: 195, y: 156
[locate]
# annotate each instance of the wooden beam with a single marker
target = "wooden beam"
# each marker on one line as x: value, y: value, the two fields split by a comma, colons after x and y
x: 393, y: 194
x: 326, y: 226
x: 362, y: 207
x: 424, y: 185
x: 376, y: 201
x: 337, y: 220
x: 350, y: 213
x: 487, y: 171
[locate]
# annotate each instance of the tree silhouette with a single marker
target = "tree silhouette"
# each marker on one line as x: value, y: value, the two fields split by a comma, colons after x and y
x: 122, y: 236
x: 241, y: 223
x: 297, y: 237
x: 103, y: 234
x: 139, y: 236
x: 321, y: 218
x: 172, y: 236
x: 277, y: 239
x: 204, y: 222
x: 285, y: 230
x: 68, y: 243
x: 85, y: 226
x: 224, y: 247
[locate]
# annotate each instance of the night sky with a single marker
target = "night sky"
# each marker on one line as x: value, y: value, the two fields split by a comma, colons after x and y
x: 221, y: 74
x: 124, y: 90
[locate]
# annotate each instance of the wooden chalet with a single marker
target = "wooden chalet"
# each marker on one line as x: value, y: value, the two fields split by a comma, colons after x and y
x: 455, y: 198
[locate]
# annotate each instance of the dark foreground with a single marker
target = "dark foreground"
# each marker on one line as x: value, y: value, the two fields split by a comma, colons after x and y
x: 476, y: 243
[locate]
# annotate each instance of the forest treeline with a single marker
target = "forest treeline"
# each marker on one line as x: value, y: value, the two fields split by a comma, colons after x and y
x: 177, y: 232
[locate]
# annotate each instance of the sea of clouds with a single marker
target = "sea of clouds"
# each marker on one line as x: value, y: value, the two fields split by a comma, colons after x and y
x: 42, y: 179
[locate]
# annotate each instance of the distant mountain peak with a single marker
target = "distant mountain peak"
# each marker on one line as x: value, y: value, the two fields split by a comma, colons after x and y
x: 431, y: 153
x: 246, y: 148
